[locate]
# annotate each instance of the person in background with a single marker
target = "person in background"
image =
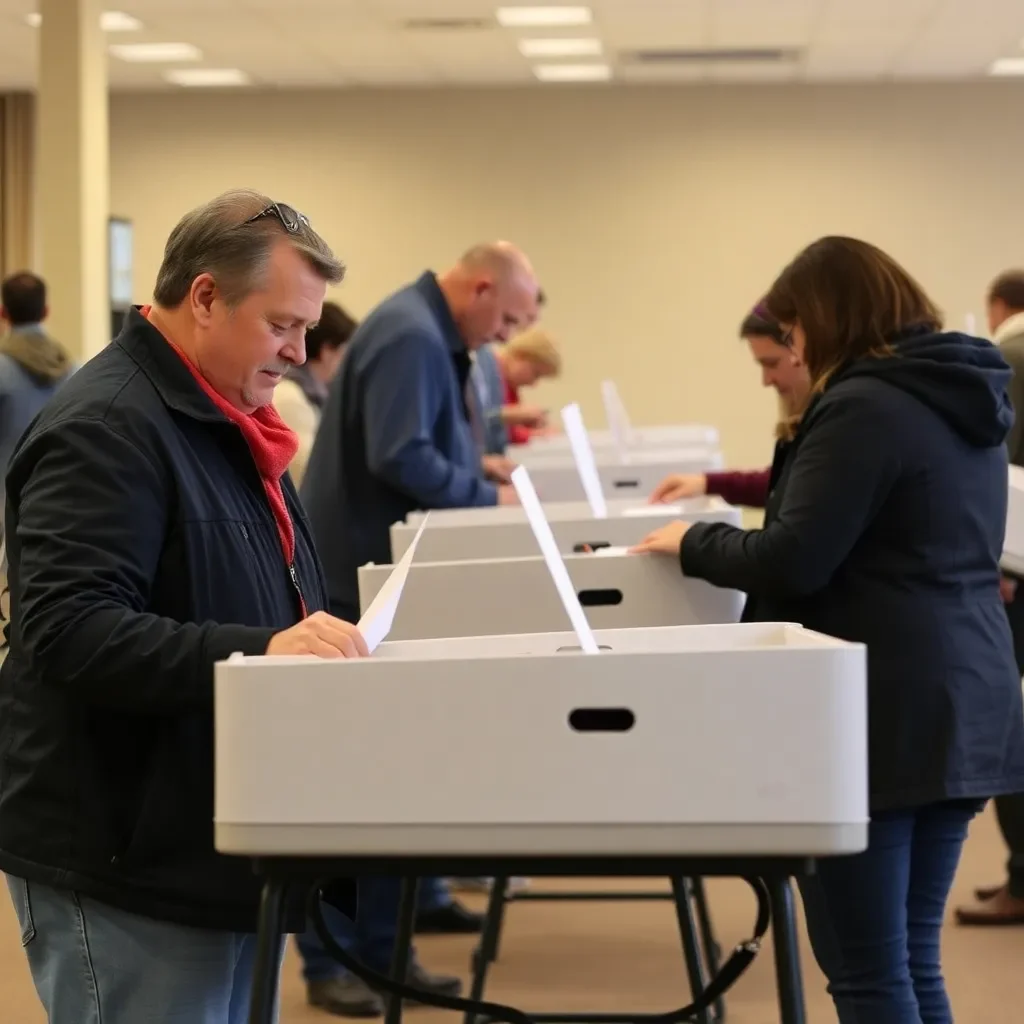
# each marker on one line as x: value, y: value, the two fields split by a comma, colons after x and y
x: 781, y: 370
x: 301, y: 395
x: 153, y: 531
x: 395, y: 437
x: 527, y: 359
x: 32, y: 364
x: 862, y: 542
x: 1004, y: 904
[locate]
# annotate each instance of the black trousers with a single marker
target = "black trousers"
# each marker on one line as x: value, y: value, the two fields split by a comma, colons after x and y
x: 1010, y: 809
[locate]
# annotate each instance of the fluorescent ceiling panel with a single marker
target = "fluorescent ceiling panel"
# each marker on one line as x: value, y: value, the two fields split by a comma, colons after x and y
x: 543, y: 17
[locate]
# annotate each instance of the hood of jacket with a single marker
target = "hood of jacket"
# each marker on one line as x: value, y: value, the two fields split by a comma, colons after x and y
x: 42, y: 358
x: 964, y: 380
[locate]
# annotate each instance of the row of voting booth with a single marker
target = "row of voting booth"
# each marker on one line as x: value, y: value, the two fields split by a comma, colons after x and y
x: 546, y: 703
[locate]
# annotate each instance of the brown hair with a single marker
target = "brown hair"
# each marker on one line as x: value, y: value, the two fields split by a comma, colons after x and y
x: 1008, y: 288
x: 231, y: 238
x: 851, y: 299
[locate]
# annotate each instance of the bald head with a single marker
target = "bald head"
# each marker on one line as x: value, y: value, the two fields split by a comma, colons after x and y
x: 492, y: 292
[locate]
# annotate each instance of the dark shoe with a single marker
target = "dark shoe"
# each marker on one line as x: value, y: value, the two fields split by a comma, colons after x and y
x: 436, y: 984
x: 996, y: 909
x: 344, y: 996
x: 451, y: 919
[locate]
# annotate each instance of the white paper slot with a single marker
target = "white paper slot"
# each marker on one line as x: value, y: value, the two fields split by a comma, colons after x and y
x: 376, y: 621
x: 549, y: 549
x: 583, y: 456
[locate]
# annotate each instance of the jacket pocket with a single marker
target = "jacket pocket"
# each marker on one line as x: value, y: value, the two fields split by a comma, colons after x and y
x: 22, y: 907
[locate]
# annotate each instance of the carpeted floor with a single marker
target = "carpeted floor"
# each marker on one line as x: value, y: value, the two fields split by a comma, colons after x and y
x: 626, y: 957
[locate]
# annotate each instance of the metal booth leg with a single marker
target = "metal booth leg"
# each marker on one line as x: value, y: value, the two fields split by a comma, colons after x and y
x: 681, y: 897
x: 787, y: 953
x: 269, y: 948
x: 401, y: 958
x: 712, y: 951
x: 487, y: 951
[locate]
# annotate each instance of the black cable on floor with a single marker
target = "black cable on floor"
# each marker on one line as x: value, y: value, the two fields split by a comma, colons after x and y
x: 731, y: 971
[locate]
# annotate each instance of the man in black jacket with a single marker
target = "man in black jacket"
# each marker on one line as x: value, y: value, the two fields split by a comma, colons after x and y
x: 153, y: 531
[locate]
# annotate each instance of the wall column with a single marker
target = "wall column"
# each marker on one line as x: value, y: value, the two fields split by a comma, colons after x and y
x: 73, y: 173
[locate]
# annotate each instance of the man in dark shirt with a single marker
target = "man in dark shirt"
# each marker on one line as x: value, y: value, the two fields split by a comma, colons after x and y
x: 395, y: 436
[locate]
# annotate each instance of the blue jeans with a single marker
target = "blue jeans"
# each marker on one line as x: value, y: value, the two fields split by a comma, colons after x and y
x: 93, y: 964
x: 875, y: 919
x: 371, y: 938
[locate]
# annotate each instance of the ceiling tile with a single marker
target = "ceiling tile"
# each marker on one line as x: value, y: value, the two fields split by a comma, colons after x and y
x: 340, y: 42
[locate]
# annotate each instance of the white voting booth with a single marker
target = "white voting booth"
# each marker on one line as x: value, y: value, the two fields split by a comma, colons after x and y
x: 622, y: 470
x: 726, y: 739
x: 1013, y: 545
x: 589, y: 751
x: 634, y: 475
x: 716, y: 739
x: 683, y: 435
x: 621, y: 435
x: 462, y: 534
x: 481, y: 597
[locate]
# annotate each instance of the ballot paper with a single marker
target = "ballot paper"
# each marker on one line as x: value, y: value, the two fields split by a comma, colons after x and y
x: 583, y: 456
x: 618, y: 419
x: 610, y: 551
x: 549, y: 549
x: 970, y: 324
x: 643, y: 511
x: 376, y: 621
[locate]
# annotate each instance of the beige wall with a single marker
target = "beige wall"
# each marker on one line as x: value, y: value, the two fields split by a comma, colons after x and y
x: 656, y: 217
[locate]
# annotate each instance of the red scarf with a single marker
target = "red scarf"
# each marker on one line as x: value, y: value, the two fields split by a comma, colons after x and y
x: 273, y: 445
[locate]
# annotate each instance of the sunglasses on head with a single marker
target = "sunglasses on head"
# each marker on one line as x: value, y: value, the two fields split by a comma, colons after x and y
x: 291, y: 220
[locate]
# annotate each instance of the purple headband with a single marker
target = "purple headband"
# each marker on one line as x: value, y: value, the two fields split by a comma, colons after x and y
x: 761, y: 310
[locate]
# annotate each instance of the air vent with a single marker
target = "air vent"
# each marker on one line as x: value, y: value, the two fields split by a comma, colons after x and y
x: 727, y: 56
x: 447, y: 24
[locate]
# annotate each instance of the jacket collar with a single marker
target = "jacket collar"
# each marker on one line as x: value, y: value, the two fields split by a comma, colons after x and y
x: 1012, y: 327
x: 428, y: 287
x: 173, y: 380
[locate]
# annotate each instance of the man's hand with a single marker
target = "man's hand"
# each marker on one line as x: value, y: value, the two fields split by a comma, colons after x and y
x: 1007, y: 589
x: 320, y: 634
x: 666, y: 540
x: 679, y: 485
x: 507, y: 495
x: 524, y: 416
x: 497, y: 468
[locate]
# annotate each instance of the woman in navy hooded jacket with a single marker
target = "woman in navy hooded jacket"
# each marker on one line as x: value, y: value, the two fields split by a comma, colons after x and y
x: 884, y: 525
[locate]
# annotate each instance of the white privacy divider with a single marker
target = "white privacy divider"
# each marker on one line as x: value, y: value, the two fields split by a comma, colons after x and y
x: 375, y: 622
x: 583, y: 455
x: 553, y: 560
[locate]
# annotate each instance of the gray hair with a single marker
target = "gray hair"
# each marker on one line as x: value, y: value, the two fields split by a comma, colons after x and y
x: 228, y: 239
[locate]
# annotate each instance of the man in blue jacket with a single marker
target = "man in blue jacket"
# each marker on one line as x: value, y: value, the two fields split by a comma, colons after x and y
x: 395, y: 436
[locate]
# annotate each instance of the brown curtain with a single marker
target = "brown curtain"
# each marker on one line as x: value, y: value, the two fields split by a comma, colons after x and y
x: 16, y: 178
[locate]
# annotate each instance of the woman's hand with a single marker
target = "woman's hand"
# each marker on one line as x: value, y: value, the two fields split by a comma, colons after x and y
x: 679, y: 485
x: 666, y: 540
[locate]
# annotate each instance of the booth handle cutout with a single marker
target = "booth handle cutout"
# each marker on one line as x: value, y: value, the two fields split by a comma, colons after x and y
x: 601, y: 720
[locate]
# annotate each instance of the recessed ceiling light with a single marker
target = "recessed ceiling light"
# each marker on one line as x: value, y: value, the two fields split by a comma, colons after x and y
x: 110, y: 21
x: 573, y: 72
x: 560, y: 47
x: 1008, y: 66
x: 532, y: 17
x: 155, y: 53
x: 206, y: 77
